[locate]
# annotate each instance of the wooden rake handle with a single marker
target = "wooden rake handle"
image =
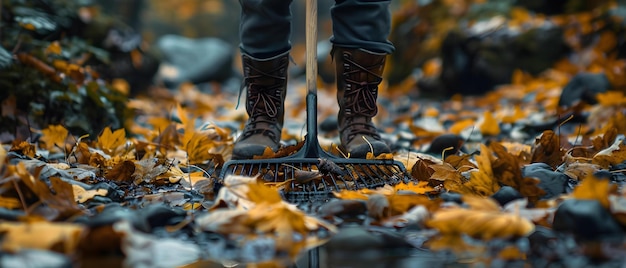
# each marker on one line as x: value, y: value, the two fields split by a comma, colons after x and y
x: 311, y: 46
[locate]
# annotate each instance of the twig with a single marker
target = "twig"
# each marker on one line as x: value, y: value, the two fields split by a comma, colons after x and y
x: 19, y: 194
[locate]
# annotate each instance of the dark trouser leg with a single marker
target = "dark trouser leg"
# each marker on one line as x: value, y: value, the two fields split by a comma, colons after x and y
x: 360, y: 46
x: 362, y: 24
x: 265, y: 27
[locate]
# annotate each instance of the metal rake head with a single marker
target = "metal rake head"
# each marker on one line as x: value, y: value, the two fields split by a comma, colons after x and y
x: 307, y: 179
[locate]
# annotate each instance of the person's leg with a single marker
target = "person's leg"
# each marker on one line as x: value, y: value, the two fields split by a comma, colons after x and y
x: 360, y: 46
x: 362, y: 24
x: 265, y: 30
x: 265, y: 27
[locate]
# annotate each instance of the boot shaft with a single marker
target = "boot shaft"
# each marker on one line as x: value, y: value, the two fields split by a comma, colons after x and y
x: 358, y: 73
x: 265, y: 81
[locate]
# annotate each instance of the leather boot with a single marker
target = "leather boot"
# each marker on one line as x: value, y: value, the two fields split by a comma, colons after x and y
x: 359, y: 72
x: 266, y: 83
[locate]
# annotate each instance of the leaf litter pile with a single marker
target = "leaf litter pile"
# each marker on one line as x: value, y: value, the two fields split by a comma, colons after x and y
x: 506, y: 178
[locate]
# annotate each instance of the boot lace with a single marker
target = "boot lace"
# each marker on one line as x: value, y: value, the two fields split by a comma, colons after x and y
x: 360, y: 100
x: 263, y: 102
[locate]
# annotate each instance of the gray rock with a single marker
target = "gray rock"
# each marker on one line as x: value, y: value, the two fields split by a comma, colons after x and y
x: 587, y: 220
x: 194, y: 60
x: 584, y: 87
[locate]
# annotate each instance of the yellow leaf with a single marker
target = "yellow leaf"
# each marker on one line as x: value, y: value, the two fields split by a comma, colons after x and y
x: 259, y: 193
x: 421, y: 187
x: 489, y: 125
x: 62, y: 237
x: 480, y: 224
x: 109, y: 141
x: 54, y: 48
x: 593, y: 188
x: 482, y: 181
x: 52, y: 136
x: 197, y: 146
x: 81, y: 195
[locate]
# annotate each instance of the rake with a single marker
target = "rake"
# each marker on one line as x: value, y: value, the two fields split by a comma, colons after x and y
x: 324, y: 172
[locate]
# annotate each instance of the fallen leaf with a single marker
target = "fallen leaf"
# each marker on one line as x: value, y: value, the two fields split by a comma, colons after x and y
x: 547, y: 149
x: 60, y: 237
x: 480, y: 224
x: 594, y: 188
x: 23, y: 147
x: 613, y: 155
x: 261, y: 194
x: 111, y: 141
x: 489, y: 125
x: 482, y: 181
x: 421, y: 187
x: 81, y: 195
x: 53, y: 135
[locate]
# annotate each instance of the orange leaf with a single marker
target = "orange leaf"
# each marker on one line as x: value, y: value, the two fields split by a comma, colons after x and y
x: 611, y: 98
x: 350, y: 195
x: 418, y: 188
x: 489, y: 125
x: 54, y: 48
x: 461, y: 125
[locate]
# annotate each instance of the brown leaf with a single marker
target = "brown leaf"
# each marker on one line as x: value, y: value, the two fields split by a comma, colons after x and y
x: 548, y: 149
x: 147, y: 170
x: 507, y: 169
x: 421, y: 169
x: 461, y: 163
x: 446, y: 173
x: 304, y: 176
x: 59, y: 196
x: 613, y: 155
x: 24, y: 148
x: 122, y: 172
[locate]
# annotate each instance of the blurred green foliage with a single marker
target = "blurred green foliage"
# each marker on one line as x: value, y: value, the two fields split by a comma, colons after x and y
x: 47, y: 70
